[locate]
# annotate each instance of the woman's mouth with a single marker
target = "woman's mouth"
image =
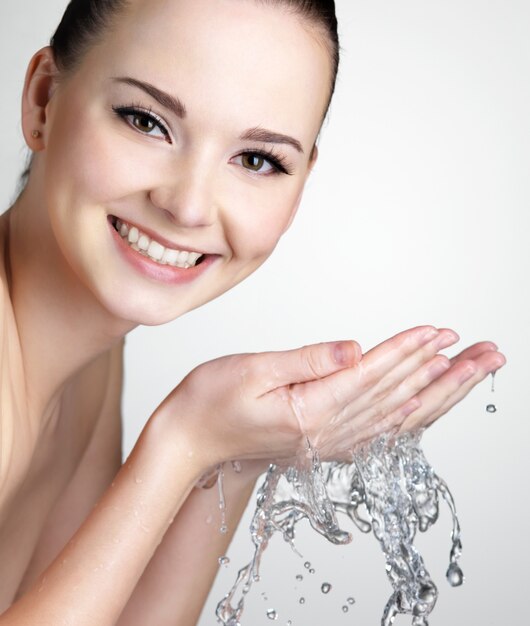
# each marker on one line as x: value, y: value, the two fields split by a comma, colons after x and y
x: 150, y: 247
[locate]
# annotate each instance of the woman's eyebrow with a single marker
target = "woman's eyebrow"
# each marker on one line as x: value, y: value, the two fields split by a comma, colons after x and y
x: 269, y: 136
x: 175, y: 105
x: 166, y: 100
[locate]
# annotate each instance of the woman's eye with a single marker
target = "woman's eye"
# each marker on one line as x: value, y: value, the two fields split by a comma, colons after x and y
x: 144, y: 123
x: 255, y: 162
x: 147, y: 124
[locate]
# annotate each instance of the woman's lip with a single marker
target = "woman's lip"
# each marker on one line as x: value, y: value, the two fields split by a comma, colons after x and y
x: 154, y: 236
x: 161, y: 273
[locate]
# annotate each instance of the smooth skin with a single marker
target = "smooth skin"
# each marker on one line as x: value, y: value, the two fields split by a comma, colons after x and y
x: 84, y: 539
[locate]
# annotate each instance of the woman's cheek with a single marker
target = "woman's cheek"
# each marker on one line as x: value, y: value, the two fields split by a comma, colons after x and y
x: 260, y: 219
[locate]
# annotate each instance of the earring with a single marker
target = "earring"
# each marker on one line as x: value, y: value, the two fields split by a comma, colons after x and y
x: 35, y: 134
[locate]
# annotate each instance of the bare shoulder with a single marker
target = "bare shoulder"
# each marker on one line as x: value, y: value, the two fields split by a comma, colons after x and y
x: 97, y: 468
x: 12, y: 392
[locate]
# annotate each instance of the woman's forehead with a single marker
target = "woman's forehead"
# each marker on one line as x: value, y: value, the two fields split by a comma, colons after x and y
x: 228, y: 52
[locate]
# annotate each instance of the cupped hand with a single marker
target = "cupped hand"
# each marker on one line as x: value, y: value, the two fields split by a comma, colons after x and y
x: 265, y: 406
x: 440, y: 383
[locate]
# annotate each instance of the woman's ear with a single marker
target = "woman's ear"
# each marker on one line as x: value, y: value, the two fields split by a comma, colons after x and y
x: 39, y: 85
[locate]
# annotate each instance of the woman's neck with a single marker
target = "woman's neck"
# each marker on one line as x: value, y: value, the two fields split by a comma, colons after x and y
x: 60, y: 324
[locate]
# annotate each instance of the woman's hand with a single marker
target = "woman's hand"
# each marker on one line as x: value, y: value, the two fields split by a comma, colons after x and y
x: 441, y: 383
x: 467, y: 369
x: 262, y: 406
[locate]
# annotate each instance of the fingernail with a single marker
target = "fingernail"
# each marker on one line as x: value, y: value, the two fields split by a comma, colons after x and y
x: 343, y: 353
x: 437, y: 368
x: 429, y: 334
x: 466, y: 375
x: 412, y: 405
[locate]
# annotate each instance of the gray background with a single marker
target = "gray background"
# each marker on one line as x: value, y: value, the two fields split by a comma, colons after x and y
x: 417, y: 212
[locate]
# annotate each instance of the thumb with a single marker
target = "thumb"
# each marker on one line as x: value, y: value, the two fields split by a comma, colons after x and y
x: 313, y: 362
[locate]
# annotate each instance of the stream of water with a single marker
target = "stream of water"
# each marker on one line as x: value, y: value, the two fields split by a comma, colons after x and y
x: 389, y: 489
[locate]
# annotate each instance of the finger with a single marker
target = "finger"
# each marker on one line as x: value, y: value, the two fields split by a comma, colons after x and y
x: 313, y: 362
x: 416, y: 363
x: 370, y: 392
x: 349, y: 385
x: 453, y: 387
x: 380, y: 415
x: 474, y: 351
x: 382, y: 359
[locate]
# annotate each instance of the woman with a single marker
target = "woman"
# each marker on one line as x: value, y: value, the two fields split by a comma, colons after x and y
x: 171, y: 143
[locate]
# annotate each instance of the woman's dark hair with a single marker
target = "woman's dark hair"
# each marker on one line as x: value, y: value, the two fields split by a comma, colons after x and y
x: 85, y: 22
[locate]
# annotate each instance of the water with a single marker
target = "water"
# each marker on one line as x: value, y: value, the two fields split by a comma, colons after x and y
x: 399, y: 492
x: 222, y: 504
x: 271, y: 614
x: 223, y: 560
x: 325, y: 588
x: 491, y: 408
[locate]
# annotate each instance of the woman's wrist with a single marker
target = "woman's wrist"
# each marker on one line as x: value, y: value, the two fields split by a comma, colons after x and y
x: 168, y: 437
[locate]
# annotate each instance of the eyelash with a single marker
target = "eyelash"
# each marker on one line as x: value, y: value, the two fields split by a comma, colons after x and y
x: 277, y: 161
x: 134, y: 109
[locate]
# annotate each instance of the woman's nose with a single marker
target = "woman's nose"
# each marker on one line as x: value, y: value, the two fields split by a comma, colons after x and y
x: 187, y: 199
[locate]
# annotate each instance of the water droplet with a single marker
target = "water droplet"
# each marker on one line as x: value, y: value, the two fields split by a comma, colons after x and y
x: 289, y: 623
x: 326, y: 588
x: 454, y: 575
x: 271, y: 614
x: 223, y: 560
x: 491, y: 408
x: 345, y: 609
x: 307, y: 564
x: 311, y: 571
x: 236, y: 466
x: 302, y: 600
x: 138, y: 481
x: 428, y: 594
x: 209, y: 519
x: 493, y: 381
x: 222, y: 504
x: 299, y: 577
x: 350, y: 600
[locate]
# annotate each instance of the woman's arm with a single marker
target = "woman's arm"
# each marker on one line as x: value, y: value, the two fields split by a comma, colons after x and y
x: 93, y: 577
x: 176, y: 583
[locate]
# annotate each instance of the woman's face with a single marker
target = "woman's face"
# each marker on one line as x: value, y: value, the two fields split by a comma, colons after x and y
x: 166, y: 125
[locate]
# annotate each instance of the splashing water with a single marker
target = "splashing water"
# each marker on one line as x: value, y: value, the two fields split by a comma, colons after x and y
x: 400, y: 491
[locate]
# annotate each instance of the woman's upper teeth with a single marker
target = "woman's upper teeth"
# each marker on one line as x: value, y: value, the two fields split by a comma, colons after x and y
x: 156, y: 251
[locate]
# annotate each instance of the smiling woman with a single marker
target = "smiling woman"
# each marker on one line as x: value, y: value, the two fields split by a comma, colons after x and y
x: 171, y: 140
